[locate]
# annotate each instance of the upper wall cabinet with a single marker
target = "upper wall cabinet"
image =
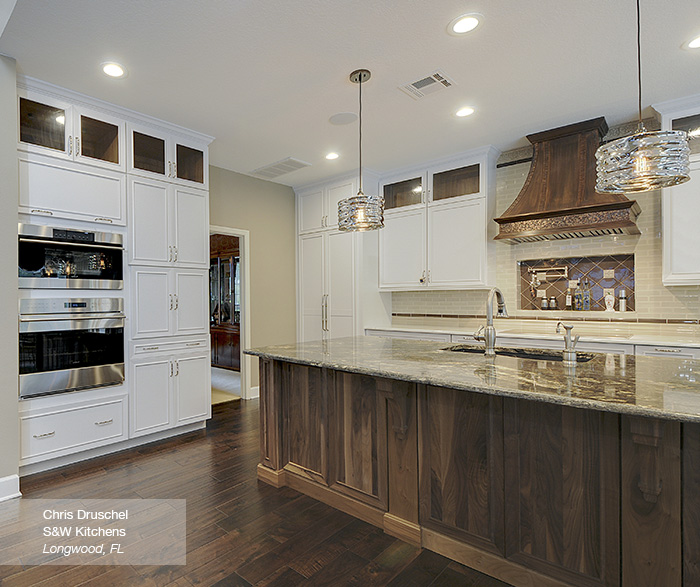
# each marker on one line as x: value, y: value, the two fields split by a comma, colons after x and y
x: 53, y: 127
x: 155, y: 153
x: 436, y: 221
x: 680, y: 205
x: 318, y: 207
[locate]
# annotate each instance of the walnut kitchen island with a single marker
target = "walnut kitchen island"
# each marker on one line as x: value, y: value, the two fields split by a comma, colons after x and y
x: 527, y: 470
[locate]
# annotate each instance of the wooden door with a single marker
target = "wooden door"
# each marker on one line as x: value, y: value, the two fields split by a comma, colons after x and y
x: 691, y: 504
x: 306, y: 417
x: 461, y: 460
x: 358, y: 441
x: 562, y: 491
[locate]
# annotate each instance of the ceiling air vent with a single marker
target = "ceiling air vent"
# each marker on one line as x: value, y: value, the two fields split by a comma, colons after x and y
x: 280, y: 168
x: 427, y: 85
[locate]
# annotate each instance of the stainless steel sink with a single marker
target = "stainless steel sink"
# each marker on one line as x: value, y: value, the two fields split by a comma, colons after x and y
x: 533, y: 354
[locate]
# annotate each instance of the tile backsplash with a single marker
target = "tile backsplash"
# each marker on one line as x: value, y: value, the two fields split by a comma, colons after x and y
x: 652, y: 299
x: 553, y: 277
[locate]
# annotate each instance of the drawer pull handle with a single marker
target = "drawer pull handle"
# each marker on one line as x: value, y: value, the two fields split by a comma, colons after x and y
x: 100, y: 219
x: 668, y: 350
x: 104, y: 422
x: 150, y: 348
x: 45, y: 435
x: 38, y: 211
x: 193, y: 344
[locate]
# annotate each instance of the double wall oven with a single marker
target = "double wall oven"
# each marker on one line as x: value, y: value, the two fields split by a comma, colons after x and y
x: 69, y: 344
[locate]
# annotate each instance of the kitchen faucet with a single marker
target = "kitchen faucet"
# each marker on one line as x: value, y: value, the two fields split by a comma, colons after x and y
x: 569, y: 343
x: 489, y: 333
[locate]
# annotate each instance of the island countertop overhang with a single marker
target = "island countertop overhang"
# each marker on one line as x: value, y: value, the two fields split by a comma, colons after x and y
x: 637, y: 386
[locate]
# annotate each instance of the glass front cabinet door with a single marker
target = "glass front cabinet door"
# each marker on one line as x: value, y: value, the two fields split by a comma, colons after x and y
x: 403, y: 192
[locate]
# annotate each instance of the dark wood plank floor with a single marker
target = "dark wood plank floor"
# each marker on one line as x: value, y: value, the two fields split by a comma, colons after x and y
x: 239, y: 531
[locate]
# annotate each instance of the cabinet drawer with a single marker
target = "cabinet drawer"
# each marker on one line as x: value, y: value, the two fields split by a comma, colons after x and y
x: 169, y: 346
x: 677, y: 352
x: 71, y: 429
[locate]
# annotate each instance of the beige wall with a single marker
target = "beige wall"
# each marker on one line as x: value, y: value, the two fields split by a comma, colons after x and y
x: 9, y: 426
x: 265, y: 209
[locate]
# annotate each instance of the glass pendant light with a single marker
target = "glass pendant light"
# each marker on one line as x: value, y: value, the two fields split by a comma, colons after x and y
x: 361, y: 212
x: 646, y: 160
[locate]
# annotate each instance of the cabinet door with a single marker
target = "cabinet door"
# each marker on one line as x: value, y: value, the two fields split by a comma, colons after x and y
x: 191, y: 234
x: 147, y: 151
x: 454, y: 183
x: 311, y: 286
x: 191, y: 302
x: 340, y: 283
x: 457, y: 244
x: 402, y: 251
x: 64, y: 189
x: 403, y: 192
x: 334, y: 195
x: 153, y: 302
x: 461, y: 475
x: 562, y: 488
x: 192, y: 389
x: 99, y: 139
x: 681, y: 217
x: 190, y: 163
x: 44, y: 125
x: 149, y: 222
x: 151, y: 403
x: 358, y: 439
x: 311, y: 212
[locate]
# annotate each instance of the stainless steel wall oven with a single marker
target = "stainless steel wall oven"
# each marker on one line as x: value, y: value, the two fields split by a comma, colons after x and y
x: 59, y: 258
x: 70, y: 344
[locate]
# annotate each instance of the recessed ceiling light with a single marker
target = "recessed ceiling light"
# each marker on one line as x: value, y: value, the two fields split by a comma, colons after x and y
x: 694, y: 44
x: 332, y: 156
x: 113, y: 69
x: 466, y: 111
x: 464, y: 24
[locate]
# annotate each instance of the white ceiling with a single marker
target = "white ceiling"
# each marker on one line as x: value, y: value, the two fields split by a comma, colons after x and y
x: 264, y: 76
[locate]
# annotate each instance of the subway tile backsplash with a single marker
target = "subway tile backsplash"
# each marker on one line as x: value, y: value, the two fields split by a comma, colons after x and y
x: 652, y: 299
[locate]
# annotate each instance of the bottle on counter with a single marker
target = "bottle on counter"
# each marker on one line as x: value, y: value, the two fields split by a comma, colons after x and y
x: 553, y: 303
x: 622, y: 301
x: 586, y: 296
x: 609, y: 302
x: 568, y: 300
x: 578, y: 297
x: 544, y: 304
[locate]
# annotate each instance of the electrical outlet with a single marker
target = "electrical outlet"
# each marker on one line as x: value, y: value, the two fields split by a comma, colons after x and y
x: 573, y: 283
x: 608, y: 274
x: 608, y: 290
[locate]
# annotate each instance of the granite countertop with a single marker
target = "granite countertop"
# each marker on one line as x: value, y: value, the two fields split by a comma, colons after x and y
x: 644, y: 386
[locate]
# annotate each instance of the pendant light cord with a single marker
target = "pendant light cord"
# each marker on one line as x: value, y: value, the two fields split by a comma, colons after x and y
x: 361, y: 75
x: 639, y: 64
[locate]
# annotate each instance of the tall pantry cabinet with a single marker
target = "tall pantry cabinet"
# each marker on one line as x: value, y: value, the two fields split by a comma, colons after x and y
x: 328, y: 262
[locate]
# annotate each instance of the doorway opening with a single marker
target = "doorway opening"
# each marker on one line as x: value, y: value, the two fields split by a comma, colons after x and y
x: 229, y: 313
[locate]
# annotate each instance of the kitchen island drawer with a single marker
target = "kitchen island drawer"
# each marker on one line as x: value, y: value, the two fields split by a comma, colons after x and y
x: 72, y: 428
x: 678, y: 352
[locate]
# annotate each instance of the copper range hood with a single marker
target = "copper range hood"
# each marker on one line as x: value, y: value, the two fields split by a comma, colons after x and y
x: 558, y: 200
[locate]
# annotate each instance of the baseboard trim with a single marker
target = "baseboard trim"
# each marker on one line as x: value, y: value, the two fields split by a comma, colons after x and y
x: 488, y: 563
x: 275, y: 478
x: 9, y: 487
x: 254, y: 392
x: 403, y: 529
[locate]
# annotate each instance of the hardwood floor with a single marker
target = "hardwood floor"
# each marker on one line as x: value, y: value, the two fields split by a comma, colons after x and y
x: 239, y: 531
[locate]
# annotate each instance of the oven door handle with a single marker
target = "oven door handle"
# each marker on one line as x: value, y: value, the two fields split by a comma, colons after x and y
x: 71, y: 243
x: 70, y: 317
x: 75, y: 324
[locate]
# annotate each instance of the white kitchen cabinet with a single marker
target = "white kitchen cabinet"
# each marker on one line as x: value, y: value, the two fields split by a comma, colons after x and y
x: 156, y: 153
x: 436, y: 220
x: 55, y: 127
x: 169, y: 225
x: 680, y: 210
x: 169, y: 302
x: 169, y: 389
x: 326, y: 285
x: 317, y: 208
x: 58, y: 188
x: 74, y: 426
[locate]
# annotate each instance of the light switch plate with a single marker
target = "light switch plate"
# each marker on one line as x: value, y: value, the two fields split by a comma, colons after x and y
x: 608, y: 274
x: 541, y: 293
